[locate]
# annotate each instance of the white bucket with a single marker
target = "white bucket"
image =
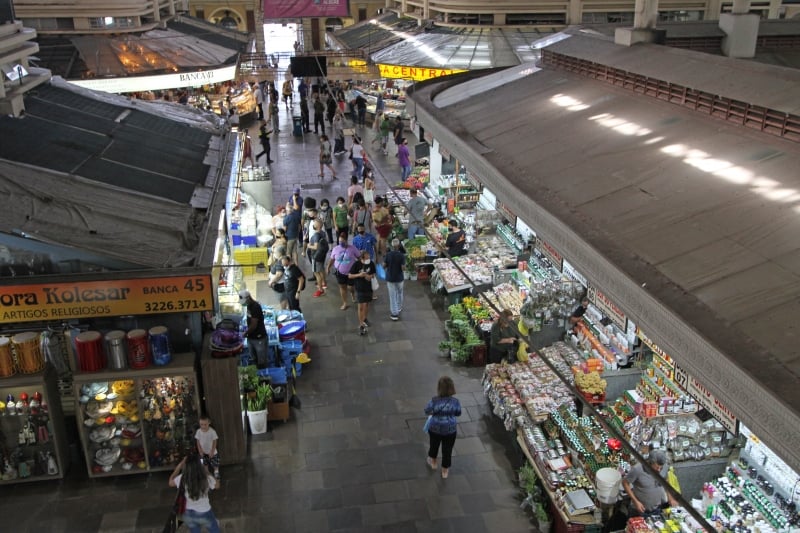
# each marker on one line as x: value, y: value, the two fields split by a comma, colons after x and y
x: 608, y: 481
x: 258, y: 421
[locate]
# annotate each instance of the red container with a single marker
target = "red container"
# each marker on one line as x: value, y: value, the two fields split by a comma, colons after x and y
x: 594, y: 398
x: 91, y: 357
x: 138, y: 349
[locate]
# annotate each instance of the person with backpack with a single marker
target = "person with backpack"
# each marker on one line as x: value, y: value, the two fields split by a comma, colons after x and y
x: 318, y: 250
x: 325, y: 157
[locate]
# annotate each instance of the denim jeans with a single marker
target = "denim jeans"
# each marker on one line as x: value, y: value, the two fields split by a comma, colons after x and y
x: 406, y: 172
x: 196, y: 521
x: 258, y: 352
x: 414, y: 230
x: 395, y: 296
x: 359, y: 163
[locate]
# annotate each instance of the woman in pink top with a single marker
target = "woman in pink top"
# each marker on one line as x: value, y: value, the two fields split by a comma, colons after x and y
x: 352, y: 190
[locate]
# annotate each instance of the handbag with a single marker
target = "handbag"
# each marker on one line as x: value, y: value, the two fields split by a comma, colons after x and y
x: 427, y: 426
x: 178, y: 508
x: 375, y: 284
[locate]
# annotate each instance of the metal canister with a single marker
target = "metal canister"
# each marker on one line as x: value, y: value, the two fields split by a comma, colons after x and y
x: 116, y: 350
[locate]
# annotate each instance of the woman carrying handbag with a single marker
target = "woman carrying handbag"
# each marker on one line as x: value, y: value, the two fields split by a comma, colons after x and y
x: 193, y: 482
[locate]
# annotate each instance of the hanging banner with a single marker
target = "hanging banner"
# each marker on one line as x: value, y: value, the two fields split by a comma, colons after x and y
x: 608, y: 308
x: 550, y: 253
x: 414, y: 73
x: 711, y: 404
x: 63, y: 301
x: 506, y: 212
x: 285, y: 9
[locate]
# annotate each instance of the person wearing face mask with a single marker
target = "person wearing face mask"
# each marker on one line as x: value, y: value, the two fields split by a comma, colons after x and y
x: 362, y: 273
x: 365, y: 241
x: 340, y: 222
x: 342, y: 258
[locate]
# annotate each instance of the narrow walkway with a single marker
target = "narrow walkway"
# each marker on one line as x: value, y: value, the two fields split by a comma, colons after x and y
x: 353, y: 457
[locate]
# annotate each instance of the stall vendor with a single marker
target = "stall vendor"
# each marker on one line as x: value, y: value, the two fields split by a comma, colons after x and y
x: 503, y: 339
x: 456, y: 240
x: 578, y: 313
x: 646, y: 492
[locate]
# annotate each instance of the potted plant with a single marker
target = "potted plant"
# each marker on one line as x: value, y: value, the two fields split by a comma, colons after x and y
x: 257, y: 408
x: 248, y: 375
x: 543, y: 519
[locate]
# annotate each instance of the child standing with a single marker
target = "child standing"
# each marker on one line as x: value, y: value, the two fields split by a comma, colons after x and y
x: 207, y: 439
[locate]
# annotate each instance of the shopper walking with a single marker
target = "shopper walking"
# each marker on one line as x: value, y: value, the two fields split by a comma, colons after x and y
x: 294, y: 282
x: 288, y: 90
x: 330, y: 108
x: 263, y: 137
x: 197, y: 482
x: 362, y: 215
x: 341, y: 224
x: 341, y: 261
x: 304, y: 115
x: 362, y: 274
x: 369, y: 190
x: 319, y: 114
x: 395, y: 264
x: 443, y: 410
x: 325, y: 215
x: 259, y: 94
x: 338, y: 132
x: 357, y: 156
x: 318, y: 252
x: 397, y: 130
x: 325, y: 157
x: 361, y: 109
x: 275, y: 280
x: 364, y: 241
x: 273, y: 114
x: 354, y: 189
x: 382, y: 221
x: 404, y: 158
x: 256, y: 332
x: 291, y: 223
x: 416, y: 206
x: 384, y: 129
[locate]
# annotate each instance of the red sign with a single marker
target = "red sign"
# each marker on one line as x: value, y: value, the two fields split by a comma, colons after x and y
x: 507, y: 213
x: 550, y: 253
x: 284, y: 9
x: 608, y: 308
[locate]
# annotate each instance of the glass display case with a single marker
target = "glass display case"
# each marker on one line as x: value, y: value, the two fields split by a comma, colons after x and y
x: 139, y: 421
x: 33, y: 443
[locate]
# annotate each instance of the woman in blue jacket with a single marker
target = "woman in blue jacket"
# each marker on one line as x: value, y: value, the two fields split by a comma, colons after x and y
x: 443, y: 409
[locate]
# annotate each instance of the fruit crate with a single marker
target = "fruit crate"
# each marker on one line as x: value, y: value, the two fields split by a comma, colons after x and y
x: 593, y: 398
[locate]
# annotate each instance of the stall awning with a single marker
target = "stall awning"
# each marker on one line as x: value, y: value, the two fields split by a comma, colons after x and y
x: 464, y: 49
x: 687, y: 222
x: 128, y: 180
x: 377, y: 33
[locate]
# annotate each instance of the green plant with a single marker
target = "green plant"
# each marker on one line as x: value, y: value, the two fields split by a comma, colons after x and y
x: 528, y: 478
x: 249, y: 377
x: 444, y: 346
x: 262, y: 397
x: 542, y: 514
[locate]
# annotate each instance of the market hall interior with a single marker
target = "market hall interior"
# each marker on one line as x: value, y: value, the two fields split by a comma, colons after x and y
x: 352, y: 458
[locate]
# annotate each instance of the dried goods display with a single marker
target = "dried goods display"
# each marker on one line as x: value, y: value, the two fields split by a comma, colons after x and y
x: 476, y: 267
x: 497, y: 251
x: 503, y: 296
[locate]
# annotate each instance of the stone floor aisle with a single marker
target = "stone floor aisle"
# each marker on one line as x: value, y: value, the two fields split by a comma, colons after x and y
x: 352, y: 459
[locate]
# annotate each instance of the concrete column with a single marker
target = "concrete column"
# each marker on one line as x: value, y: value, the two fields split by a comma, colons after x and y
x: 426, y: 10
x: 575, y: 12
x: 172, y: 9
x: 740, y: 6
x: 645, y: 16
x: 712, y: 10
x: 741, y: 34
x: 774, y: 9
x: 156, y: 11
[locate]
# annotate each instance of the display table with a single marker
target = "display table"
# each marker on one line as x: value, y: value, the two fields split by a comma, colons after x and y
x: 476, y: 267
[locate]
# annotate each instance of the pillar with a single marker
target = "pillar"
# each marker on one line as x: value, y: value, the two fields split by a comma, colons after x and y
x: 645, y: 16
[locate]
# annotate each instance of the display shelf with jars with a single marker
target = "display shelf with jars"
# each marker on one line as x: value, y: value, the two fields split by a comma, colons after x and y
x: 33, y: 442
x: 141, y: 421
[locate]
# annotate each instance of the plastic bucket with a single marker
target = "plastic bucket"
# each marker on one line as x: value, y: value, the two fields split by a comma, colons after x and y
x: 607, y: 481
x: 293, y: 331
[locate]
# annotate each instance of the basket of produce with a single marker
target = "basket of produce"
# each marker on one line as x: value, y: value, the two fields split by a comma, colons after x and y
x: 591, y: 386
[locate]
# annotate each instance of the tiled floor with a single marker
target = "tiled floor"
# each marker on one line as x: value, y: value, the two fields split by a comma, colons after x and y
x: 353, y: 457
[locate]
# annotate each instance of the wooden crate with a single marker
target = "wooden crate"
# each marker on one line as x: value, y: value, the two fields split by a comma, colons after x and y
x: 278, y: 411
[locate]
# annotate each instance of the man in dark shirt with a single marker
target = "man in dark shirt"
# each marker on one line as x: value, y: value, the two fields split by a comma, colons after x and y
x: 456, y: 241
x: 256, y: 331
x: 361, y: 108
x: 395, y: 263
x: 578, y: 313
x: 291, y: 224
x: 319, y: 115
x: 294, y: 281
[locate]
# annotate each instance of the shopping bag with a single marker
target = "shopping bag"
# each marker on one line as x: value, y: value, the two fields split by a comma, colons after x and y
x: 522, y: 351
x: 375, y: 284
x: 381, y: 272
x: 427, y: 424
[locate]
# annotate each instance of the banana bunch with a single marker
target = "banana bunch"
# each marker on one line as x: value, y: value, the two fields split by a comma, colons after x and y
x: 417, y: 253
x: 590, y: 383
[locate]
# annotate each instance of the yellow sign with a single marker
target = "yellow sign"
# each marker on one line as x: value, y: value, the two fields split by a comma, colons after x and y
x: 414, y: 73
x: 62, y: 301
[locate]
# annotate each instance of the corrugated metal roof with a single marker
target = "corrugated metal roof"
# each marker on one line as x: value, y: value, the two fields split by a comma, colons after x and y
x: 387, y: 29
x: 703, y: 214
x: 748, y: 81
x: 68, y: 132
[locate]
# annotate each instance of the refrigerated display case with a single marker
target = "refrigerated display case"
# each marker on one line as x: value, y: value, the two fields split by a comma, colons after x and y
x: 140, y: 421
x: 33, y: 442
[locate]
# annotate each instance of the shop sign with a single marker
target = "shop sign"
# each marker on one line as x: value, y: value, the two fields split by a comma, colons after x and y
x: 414, y: 73
x: 608, y: 308
x: 63, y: 301
x: 570, y: 271
x: 444, y: 152
x: 506, y: 212
x: 550, y: 253
x: 709, y: 402
x: 653, y: 346
x: 132, y: 84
